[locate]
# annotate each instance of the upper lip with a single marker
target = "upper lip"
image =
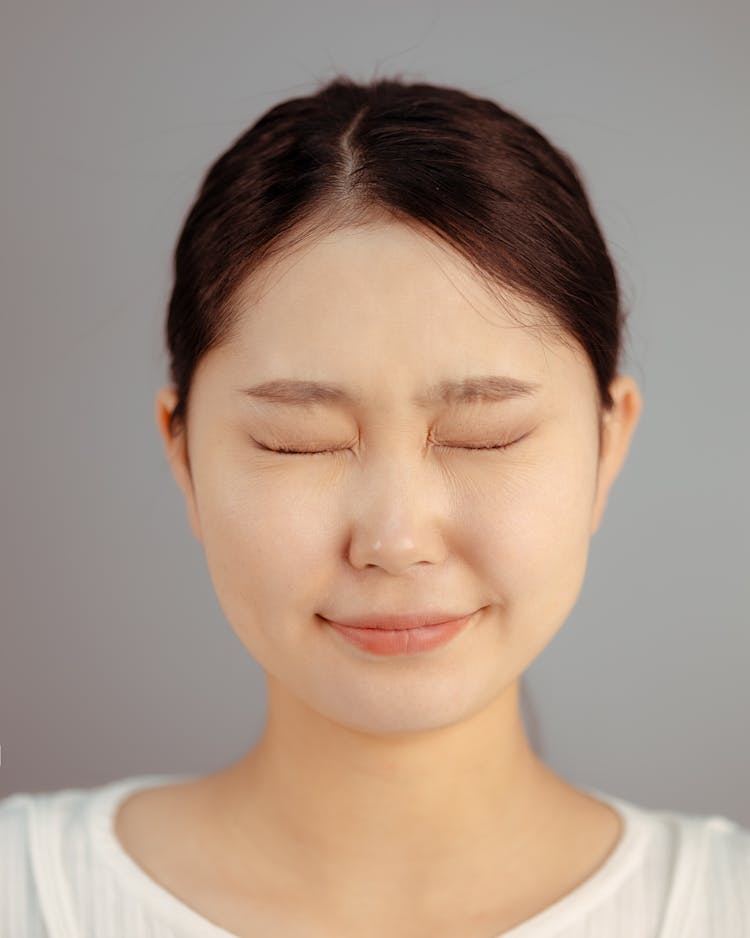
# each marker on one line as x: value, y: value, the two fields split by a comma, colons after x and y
x: 405, y: 620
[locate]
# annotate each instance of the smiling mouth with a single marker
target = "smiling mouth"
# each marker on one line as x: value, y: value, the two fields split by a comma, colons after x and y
x: 404, y: 640
x: 400, y: 621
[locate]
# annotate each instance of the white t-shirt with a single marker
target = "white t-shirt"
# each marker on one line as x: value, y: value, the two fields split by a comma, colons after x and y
x: 64, y: 874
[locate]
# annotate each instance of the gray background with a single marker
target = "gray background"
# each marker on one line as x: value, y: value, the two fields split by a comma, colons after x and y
x: 115, y: 656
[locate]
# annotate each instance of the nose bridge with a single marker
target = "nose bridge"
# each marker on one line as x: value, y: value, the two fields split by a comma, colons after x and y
x: 396, y: 519
x: 393, y: 454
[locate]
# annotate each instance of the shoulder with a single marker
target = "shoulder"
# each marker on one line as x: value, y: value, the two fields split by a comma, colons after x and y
x: 687, y: 874
x: 715, y: 843
x: 15, y: 838
x: 20, y: 907
x: 32, y: 821
x: 709, y: 876
x: 725, y: 854
x: 48, y: 864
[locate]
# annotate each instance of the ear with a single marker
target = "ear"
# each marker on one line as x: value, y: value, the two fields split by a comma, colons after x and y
x: 618, y: 426
x: 176, y: 447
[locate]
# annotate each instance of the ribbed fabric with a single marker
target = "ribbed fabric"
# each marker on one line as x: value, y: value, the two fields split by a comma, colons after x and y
x: 64, y: 874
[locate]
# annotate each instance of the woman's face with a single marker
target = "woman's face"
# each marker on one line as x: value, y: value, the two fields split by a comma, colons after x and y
x: 408, y: 514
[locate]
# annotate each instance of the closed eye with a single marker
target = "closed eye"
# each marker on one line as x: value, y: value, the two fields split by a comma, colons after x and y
x: 326, y: 452
x: 303, y: 452
x: 496, y: 446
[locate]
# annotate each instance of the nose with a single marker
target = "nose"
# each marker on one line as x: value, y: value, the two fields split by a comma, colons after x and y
x: 399, y: 514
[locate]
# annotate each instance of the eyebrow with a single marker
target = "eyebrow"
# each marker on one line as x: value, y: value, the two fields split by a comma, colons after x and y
x: 467, y: 390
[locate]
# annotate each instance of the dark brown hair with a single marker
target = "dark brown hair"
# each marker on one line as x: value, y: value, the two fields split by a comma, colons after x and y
x: 479, y: 177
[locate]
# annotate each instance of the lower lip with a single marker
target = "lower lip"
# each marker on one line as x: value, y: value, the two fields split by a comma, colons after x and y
x: 402, y: 641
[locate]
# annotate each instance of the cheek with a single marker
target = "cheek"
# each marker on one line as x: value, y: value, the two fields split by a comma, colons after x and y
x: 535, y: 540
x: 261, y: 549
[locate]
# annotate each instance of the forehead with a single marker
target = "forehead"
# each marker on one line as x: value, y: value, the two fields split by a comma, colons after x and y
x: 385, y: 305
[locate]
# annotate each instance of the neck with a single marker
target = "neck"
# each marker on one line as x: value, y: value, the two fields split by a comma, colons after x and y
x: 346, y: 812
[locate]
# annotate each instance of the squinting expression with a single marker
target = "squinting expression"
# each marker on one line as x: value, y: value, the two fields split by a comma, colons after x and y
x: 380, y: 436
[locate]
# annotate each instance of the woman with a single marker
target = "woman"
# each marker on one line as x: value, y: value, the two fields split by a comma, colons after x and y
x: 395, y: 415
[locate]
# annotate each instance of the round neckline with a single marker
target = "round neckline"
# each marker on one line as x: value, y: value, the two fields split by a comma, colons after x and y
x: 171, y: 910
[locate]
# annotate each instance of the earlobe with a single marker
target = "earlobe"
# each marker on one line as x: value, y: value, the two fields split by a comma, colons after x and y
x: 166, y: 400
x: 164, y: 404
x: 617, y: 432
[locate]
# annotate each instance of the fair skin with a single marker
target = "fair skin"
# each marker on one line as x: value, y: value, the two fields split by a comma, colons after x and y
x: 387, y: 795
